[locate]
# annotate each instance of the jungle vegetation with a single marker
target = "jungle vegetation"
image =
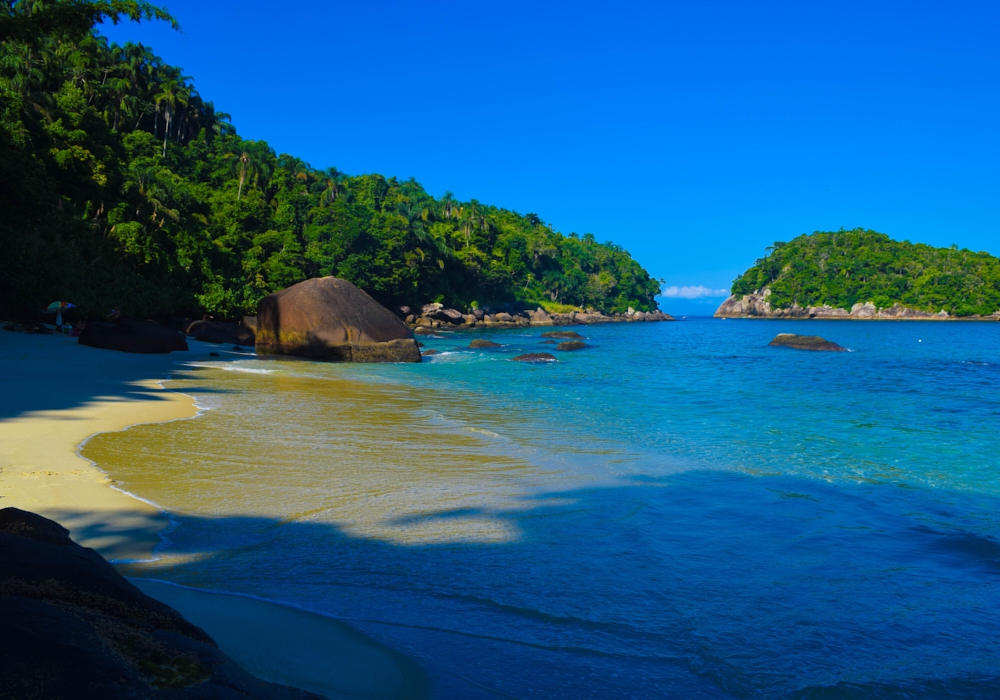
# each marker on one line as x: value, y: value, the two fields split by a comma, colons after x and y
x: 842, y: 268
x: 121, y: 185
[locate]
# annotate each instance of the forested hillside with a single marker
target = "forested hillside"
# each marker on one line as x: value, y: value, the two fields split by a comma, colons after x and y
x: 842, y: 268
x: 121, y: 185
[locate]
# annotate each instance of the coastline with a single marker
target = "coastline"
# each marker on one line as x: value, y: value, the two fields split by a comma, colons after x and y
x: 758, y: 306
x: 57, y: 394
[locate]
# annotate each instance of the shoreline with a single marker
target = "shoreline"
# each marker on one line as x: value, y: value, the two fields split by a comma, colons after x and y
x: 56, y: 398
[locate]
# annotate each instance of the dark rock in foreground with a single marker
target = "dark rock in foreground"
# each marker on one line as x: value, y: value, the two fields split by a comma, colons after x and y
x: 126, y: 335
x: 535, y: 357
x: 804, y: 342
x: 571, y: 345
x: 74, y: 629
x: 480, y: 343
x: 562, y: 334
x: 330, y: 319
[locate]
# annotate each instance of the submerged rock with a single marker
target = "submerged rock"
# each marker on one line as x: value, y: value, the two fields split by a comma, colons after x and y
x: 535, y: 357
x: 562, y: 334
x: 548, y: 342
x: 432, y: 351
x: 571, y: 345
x: 126, y: 335
x: 331, y: 320
x: 74, y: 629
x: 481, y: 343
x: 804, y: 342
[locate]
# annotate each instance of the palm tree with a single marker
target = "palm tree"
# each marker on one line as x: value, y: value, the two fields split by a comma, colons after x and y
x: 173, y: 94
x: 334, y: 181
x: 253, y: 163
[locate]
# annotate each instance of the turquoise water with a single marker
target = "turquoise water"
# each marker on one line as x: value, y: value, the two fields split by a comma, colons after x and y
x: 676, y: 511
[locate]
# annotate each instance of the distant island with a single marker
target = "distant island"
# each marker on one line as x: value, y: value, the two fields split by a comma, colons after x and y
x: 863, y: 274
x: 122, y: 186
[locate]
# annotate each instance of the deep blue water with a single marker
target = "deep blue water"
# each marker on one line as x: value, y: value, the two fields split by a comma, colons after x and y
x: 676, y: 511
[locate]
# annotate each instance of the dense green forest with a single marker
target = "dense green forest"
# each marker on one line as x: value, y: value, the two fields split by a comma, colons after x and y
x: 842, y: 268
x: 121, y: 185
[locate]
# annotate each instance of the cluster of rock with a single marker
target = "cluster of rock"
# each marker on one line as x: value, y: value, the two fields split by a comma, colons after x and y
x: 74, y: 629
x: 436, y: 316
x: 758, y: 305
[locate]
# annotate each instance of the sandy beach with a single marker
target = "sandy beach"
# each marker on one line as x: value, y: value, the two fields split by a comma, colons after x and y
x: 55, y: 395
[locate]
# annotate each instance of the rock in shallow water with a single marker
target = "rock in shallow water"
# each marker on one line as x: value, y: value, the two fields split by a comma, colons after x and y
x: 571, y: 345
x: 535, y: 357
x: 74, y: 629
x: 805, y: 342
x: 562, y: 334
x: 481, y: 343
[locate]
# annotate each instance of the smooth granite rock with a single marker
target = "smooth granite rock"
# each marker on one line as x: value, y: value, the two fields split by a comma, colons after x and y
x: 331, y: 320
x: 535, y: 357
x: 481, y: 343
x: 74, y: 629
x: 126, y: 335
x: 804, y: 342
x: 216, y: 332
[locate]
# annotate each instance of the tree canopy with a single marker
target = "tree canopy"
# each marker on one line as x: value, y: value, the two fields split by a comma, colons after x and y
x: 123, y: 186
x: 842, y: 268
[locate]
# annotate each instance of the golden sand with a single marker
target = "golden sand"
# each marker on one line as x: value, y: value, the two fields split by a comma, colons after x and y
x: 54, y: 394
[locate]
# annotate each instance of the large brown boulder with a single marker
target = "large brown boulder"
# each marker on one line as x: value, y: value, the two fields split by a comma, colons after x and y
x: 330, y: 319
x: 74, y: 629
x: 804, y: 342
x: 126, y: 335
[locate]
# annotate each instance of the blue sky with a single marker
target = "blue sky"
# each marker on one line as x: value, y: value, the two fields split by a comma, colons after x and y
x: 694, y: 134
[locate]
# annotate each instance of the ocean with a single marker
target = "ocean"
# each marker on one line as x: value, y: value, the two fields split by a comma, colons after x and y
x: 676, y: 511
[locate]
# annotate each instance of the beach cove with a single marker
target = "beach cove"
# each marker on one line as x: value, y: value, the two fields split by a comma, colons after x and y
x: 58, y: 394
x: 675, y: 510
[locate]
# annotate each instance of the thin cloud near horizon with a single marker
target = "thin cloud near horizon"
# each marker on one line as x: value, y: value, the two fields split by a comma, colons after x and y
x: 693, y: 292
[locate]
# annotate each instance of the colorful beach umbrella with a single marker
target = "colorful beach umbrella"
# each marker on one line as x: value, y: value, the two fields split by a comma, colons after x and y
x: 59, y: 306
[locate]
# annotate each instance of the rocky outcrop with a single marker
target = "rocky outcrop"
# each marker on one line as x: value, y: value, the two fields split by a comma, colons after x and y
x: 758, y: 305
x: 540, y: 318
x: 805, y: 342
x: 437, y: 316
x: 74, y: 629
x: 571, y: 345
x: 481, y: 343
x: 225, y: 333
x: 331, y: 320
x: 126, y: 335
x: 535, y: 357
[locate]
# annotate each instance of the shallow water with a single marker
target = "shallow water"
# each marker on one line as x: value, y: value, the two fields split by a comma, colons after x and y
x: 676, y: 511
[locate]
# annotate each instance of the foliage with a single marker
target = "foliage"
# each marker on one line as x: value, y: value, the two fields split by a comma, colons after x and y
x: 843, y: 268
x: 122, y: 186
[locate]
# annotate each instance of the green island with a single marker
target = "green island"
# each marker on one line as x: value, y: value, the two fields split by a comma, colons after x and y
x: 122, y: 186
x: 842, y: 268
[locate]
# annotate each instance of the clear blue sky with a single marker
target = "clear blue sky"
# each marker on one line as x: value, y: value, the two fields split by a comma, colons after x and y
x: 692, y: 133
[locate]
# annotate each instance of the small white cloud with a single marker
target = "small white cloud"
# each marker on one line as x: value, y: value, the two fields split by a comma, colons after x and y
x: 699, y: 292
